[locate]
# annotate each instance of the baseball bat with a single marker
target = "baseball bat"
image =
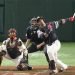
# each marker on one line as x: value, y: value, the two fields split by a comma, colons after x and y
x: 73, y: 15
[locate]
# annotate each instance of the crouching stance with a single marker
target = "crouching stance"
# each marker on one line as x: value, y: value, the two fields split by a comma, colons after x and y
x: 14, y: 49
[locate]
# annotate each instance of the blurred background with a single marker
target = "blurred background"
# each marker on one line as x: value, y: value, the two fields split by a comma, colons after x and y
x: 17, y: 14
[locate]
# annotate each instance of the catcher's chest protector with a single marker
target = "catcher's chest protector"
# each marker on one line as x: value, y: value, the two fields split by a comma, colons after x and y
x: 12, y: 49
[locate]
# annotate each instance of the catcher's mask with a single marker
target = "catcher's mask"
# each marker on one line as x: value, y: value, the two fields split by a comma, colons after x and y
x: 12, y: 33
x: 33, y: 21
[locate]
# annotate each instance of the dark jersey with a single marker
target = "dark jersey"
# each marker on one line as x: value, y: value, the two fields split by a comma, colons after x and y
x: 51, y: 33
x: 32, y: 34
x: 50, y: 30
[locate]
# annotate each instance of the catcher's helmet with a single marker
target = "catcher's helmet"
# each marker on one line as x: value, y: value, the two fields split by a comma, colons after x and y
x: 12, y: 32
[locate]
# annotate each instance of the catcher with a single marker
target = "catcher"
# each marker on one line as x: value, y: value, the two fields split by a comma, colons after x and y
x: 14, y: 49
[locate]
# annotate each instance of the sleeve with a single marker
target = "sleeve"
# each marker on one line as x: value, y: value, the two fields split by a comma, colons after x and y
x: 39, y: 33
x: 28, y: 33
x: 5, y: 41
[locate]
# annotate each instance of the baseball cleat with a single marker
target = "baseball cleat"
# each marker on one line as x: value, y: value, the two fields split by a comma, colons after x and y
x: 53, y: 72
x: 63, y: 69
x: 29, y: 67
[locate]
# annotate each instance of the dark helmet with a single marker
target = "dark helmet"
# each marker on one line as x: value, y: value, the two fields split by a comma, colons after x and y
x: 39, y: 17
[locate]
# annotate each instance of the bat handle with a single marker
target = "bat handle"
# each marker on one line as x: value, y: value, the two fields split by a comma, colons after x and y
x: 73, y: 15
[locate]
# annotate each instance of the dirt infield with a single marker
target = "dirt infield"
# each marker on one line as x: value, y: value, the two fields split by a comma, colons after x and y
x: 37, y: 70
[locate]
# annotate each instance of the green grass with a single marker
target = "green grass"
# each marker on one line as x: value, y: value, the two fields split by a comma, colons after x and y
x: 66, y: 54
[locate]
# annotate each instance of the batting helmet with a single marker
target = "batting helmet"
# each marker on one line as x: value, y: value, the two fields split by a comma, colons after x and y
x: 39, y: 17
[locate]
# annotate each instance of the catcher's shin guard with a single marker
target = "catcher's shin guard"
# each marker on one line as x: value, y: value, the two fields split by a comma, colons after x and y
x: 1, y: 58
x: 24, y: 64
x: 23, y: 67
x: 25, y: 58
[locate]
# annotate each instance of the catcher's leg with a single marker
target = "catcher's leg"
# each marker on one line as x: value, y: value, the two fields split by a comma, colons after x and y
x: 25, y: 58
x: 1, y: 58
x: 23, y: 65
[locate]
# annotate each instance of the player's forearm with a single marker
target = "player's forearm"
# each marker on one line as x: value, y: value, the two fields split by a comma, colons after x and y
x: 70, y: 19
x: 40, y: 45
x: 63, y: 21
x: 43, y: 43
